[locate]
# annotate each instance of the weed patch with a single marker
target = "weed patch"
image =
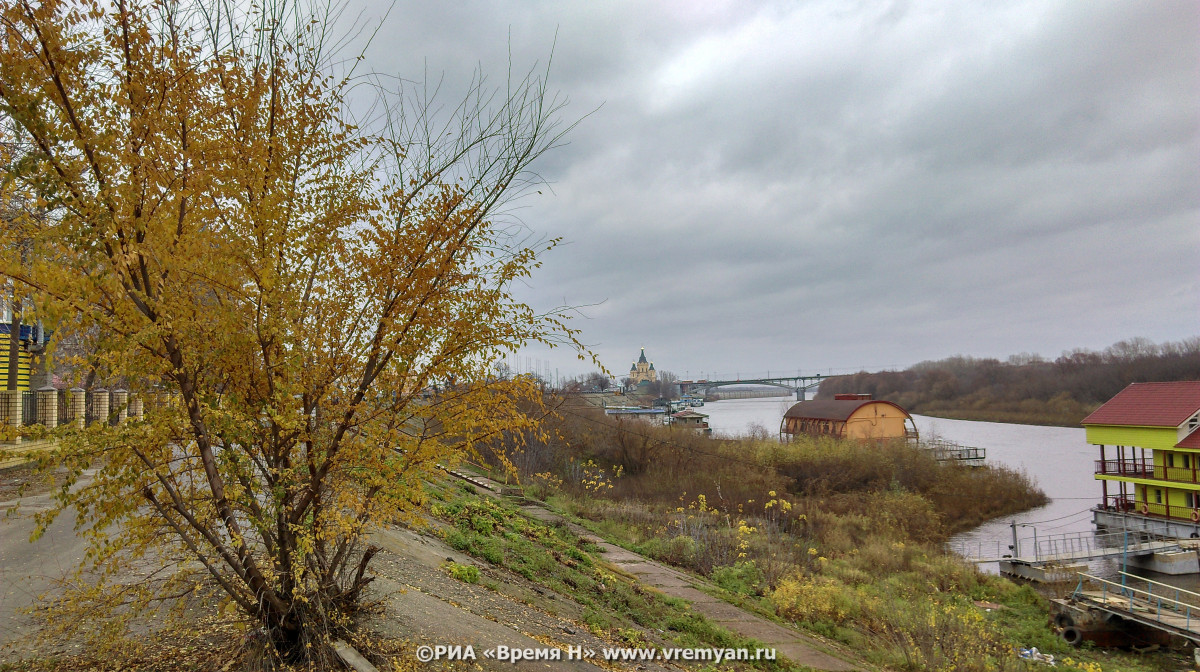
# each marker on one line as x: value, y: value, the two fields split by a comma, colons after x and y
x: 616, y: 608
x: 464, y: 573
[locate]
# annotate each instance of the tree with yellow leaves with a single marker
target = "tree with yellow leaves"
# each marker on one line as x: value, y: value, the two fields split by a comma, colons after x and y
x: 309, y: 306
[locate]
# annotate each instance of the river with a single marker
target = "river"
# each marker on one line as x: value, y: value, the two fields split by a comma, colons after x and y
x: 1057, y: 459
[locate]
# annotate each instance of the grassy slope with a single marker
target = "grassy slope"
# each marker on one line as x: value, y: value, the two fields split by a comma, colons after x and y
x: 616, y: 608
x: 901, y: 606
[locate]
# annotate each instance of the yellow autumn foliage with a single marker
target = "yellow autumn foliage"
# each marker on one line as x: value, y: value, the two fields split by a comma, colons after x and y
x: 309, y: 308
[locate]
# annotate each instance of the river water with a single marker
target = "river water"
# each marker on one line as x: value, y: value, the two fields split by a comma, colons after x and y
x: 1057, y: 459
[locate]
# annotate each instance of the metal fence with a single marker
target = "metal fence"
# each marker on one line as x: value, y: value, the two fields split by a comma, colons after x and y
x: 66, y: 410
x: 1067, y: 546
x: 948, y: 451
x: 29, y: 408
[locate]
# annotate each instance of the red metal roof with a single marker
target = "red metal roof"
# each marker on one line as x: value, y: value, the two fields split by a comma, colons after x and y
x: 834, y: 409
x: 1190, y: 441
x: 1149, y: 405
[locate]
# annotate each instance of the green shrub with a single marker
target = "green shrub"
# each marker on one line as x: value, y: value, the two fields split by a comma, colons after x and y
x: 464, y: 573
x: 742, y: 577
x: 679, y: 550
x: 457, y: 540
x: 482, y: 524
x: 489, y: 550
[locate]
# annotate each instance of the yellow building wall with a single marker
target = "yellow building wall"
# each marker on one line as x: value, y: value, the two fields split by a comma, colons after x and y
x: 875, y: 421
x: 1151, y: 438
x: 643, y: 372
x: 1176, y: 493
x: 23, y: 368
x: 1173, y: 496
x: 1177, y: 498
x: 1179, y: 455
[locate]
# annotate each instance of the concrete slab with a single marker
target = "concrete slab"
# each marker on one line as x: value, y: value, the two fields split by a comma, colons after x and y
x: 723, y: 612
x: 433, y: 622
x: 1176, y: 563
x: 692, y: 595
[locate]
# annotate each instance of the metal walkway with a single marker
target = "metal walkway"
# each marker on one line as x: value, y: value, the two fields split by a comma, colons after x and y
x: 950, y: 452
x: 1071, y: 547
x: 1159, y: 605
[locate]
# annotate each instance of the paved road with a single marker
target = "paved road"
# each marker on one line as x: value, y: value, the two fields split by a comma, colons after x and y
x: 29, y: 570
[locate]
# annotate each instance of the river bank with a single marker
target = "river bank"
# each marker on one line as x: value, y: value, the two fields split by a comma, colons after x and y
x: 1020, y: 414
x: 843, y: 539
x: 1026, y: 388
x: 1056, y: 459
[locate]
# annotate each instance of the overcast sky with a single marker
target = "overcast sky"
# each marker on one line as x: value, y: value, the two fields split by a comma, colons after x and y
x: 832, y: 186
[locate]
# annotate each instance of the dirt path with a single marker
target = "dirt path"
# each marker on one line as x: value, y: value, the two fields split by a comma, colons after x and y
x: 791, y: 643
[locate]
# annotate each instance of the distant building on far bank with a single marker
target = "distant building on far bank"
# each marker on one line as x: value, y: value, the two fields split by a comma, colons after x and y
x: 848, y: 416
x: 642, y: 371
x: 689, y: 419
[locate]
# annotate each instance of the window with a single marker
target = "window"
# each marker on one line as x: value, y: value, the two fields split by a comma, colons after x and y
x: 1185, y: 462
x: 1190, y: 500
x: 1158, y: 496
x: 1170, y: 459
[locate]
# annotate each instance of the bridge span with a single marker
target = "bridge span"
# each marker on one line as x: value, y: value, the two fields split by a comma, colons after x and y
x: 797, y: 384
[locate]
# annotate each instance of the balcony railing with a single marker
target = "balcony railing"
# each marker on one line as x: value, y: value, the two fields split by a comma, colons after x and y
x: 1119, y: 504
x: 1135, y: 468
x: 1128, y: 505
x: 1145, y: 469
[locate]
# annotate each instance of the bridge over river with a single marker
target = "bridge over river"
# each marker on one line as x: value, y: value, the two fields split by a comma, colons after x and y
x: 796, y: 384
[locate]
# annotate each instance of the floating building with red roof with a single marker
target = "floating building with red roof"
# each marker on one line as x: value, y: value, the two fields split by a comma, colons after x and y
x: 1149, y: 466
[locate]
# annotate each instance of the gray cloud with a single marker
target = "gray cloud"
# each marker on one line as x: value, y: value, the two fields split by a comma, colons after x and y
x: 819, y: 185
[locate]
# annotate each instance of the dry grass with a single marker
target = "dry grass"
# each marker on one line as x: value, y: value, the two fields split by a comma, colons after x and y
x: 841, y: 537
x: 670, y: 467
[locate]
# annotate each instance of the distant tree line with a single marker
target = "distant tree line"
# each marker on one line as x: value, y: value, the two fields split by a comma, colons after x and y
x: 1027, y: 387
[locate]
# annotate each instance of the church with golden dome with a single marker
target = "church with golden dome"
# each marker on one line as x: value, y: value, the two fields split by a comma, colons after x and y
x: 642, y: 371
